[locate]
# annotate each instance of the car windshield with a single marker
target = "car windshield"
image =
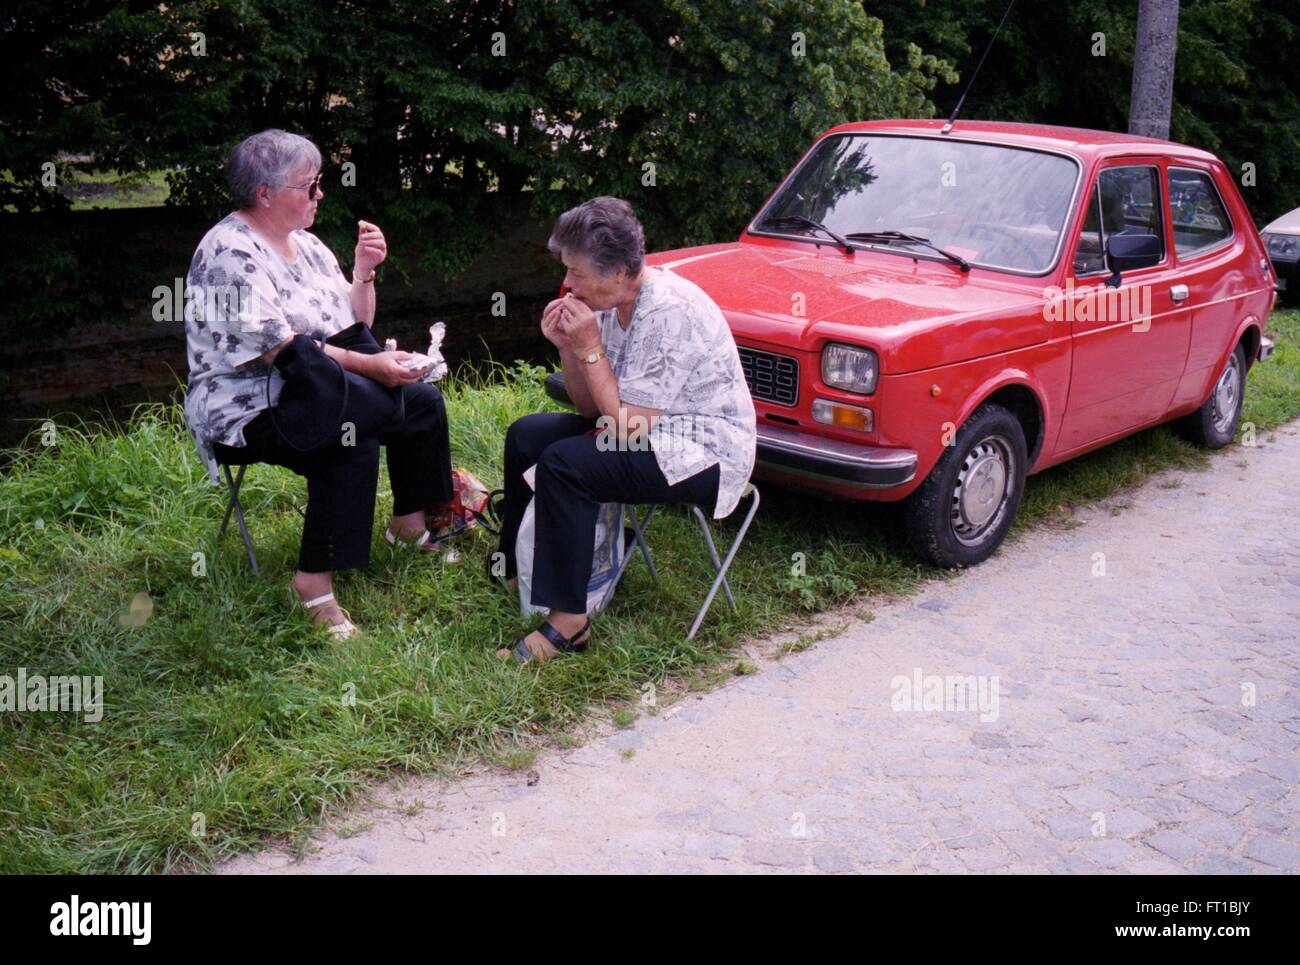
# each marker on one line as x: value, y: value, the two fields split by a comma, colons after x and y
x: 997, y: 207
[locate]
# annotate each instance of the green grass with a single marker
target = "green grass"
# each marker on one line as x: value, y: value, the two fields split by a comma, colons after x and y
x: 111, y: 189
x: 224, y: 704
x: 88, y: 189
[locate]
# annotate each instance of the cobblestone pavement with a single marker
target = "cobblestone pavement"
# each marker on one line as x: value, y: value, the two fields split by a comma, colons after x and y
x: 1140, y: 713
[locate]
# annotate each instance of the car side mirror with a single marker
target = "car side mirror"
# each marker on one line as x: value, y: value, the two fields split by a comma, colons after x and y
x: 1130, y: 252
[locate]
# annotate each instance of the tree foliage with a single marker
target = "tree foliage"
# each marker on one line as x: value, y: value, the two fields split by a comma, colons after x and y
x: 457, y: 117
x: 1236, y: 91
x: 449, y: 110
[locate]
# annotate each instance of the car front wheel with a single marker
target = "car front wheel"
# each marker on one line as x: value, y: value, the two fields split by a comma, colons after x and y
x: 1215, y: 423
x: 965, y: 507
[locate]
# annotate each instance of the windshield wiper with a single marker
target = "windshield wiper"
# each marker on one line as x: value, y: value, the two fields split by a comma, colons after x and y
x: 800, y: 221
x: 888, y: 237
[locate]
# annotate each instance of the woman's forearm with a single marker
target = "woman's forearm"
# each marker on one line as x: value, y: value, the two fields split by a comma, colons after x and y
x: 630, y: 421
x: 363, y: 299
x: 575, y: 383
x: 357, y: 362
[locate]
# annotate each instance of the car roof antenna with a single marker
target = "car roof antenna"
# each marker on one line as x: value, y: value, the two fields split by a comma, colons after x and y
x: 961, y: 100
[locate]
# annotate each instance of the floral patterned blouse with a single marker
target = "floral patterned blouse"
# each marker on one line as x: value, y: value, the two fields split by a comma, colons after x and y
x: 243, y: 298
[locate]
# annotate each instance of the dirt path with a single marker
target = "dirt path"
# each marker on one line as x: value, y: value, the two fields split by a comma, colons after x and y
x: 1133, y: 711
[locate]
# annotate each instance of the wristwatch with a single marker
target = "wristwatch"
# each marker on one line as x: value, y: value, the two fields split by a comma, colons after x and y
x: 592, y: 357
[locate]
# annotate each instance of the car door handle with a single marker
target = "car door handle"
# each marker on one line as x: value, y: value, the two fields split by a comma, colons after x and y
x: 1178, y: 293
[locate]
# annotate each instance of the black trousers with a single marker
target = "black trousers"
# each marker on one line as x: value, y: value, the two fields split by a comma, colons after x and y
x: 573, y: 478
x: 341, y: 480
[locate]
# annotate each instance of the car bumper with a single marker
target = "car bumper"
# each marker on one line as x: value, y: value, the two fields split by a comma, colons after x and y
x: 1266, y: 347
x: 811, y: 458
x: 832, y: 461
x: 1287, y: 273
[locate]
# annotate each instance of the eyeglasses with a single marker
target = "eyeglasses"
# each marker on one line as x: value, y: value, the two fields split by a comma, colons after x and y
x: 312, y: 187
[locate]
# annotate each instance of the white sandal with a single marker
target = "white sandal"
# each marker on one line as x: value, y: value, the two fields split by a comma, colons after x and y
x: 421, y: 542
x: 340, y: 631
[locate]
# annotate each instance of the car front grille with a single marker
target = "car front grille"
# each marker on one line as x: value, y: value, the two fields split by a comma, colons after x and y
x: 771, y: 377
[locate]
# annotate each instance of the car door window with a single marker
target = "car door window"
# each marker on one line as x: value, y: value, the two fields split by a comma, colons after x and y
x: 1089, y: 257
x: 1200, y: 220
x: 1127, y: 201
x: 1130, y: 202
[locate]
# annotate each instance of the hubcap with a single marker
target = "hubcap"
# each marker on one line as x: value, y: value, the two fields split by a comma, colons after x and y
x: 979, y: 497
x: 1225, y: 396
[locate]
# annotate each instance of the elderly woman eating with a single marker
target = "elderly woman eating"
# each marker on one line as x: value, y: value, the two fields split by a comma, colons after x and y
x: 664, y: 416
x: 262, y: 290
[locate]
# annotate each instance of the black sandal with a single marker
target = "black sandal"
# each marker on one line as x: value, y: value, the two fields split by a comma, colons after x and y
x: 559, y: 641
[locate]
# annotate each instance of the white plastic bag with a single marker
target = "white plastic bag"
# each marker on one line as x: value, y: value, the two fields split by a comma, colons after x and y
x: 604, y: 564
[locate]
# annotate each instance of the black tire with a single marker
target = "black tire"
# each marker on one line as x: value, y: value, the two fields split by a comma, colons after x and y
x: 1215, y: 423
x: 945, y: 520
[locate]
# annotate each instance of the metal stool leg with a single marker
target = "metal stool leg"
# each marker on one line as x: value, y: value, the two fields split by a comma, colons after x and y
x: 232, y: 497
x: 721, y: 579
x: 638, y: 533
x: 638, y: 536
x: 713, y: 552
x: 238, y: 508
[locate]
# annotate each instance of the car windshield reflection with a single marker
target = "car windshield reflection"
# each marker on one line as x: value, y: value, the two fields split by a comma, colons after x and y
x: 995, y: 206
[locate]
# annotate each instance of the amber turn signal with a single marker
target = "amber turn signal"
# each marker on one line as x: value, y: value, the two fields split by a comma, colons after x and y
x: 841, y: 415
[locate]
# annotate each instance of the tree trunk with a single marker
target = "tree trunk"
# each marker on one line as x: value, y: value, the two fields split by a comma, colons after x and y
x: 1153, y: 68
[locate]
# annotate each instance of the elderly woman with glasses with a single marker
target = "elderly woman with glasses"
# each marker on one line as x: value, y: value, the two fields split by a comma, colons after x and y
x: 274, y: 280
x: 664, y: 414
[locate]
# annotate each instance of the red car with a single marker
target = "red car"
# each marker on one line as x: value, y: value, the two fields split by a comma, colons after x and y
x: 931, y: 315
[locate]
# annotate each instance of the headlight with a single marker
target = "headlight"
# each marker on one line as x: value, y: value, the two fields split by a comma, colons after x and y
x: 1282, y: 246
x: 850, y: 367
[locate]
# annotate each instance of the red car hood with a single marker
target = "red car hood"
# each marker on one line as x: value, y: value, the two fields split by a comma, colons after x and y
x: 916, y: 314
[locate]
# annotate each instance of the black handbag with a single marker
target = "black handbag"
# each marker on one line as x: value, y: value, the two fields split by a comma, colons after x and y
x: 318, y: 395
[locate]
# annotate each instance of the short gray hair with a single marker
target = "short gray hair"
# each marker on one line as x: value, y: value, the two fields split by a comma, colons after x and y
x: 604, y: 230
x: 266, y: 158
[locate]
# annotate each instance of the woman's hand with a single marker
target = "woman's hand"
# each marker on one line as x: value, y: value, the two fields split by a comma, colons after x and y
x: 371, y: 251
x: 578, y: 322
x: 551, y: 326
x: 386, y: 369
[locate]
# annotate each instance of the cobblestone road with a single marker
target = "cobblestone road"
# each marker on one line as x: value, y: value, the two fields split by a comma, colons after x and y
x: 1145, y: 720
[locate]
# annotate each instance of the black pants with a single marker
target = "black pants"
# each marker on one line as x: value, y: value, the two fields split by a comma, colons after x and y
x: 341, y: 480
x: 573, y: 477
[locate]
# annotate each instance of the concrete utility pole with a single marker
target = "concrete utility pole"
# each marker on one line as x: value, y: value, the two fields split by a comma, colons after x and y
x: 1153, y: 68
